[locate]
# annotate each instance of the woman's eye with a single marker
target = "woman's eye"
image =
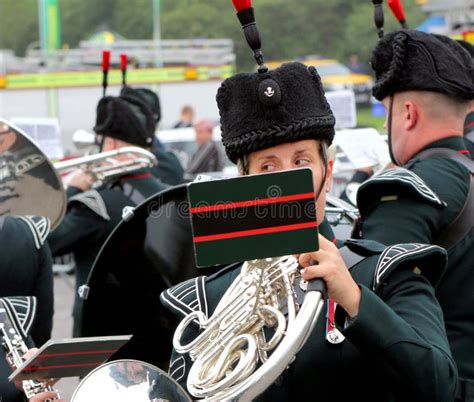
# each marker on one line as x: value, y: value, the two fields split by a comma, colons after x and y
x: 302, y: 162
x: 268, y: 167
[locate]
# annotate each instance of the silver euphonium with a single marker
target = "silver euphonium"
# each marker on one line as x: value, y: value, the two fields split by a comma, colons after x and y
x: 233, y: 360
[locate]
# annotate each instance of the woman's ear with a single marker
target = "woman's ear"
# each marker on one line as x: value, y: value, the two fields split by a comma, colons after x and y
x: 329, y: 167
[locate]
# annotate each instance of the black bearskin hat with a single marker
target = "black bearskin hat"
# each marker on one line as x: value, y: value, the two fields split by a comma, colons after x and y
x: 406, y: 60
x: 125, y: 118
x: 263, y: 109
x: 148, y: 96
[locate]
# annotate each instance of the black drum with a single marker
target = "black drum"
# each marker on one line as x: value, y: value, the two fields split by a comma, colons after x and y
x: 150, y: 250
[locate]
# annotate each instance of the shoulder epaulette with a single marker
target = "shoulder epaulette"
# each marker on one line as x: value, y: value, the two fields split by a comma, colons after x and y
x: 428, y: 260
x: 94, y: 201
x: 22, y: 311
x: 39, y: 227
x: 186, y: 297
x: 394, y: 182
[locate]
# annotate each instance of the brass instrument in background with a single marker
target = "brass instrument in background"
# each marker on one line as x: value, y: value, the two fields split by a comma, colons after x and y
x: 231, y: 354
x: 30, y: 184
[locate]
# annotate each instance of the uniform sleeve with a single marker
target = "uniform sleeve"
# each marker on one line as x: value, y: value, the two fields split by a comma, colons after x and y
x: 405, y: 331
x: 79, y: 223
x: 43, y: 290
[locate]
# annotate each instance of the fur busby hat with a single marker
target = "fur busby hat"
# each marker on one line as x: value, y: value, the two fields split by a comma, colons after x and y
x: 125, y: 118
x: 148, y: 96
x: 407, y: 60
x: 263, y: 109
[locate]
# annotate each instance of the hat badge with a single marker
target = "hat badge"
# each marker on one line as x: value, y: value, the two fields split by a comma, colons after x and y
x: 269, y: 92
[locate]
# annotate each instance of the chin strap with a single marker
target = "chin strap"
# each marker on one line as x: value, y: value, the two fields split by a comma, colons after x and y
x: 389, y: 131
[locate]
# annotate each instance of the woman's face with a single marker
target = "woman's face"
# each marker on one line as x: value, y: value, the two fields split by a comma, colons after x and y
x: 305, y: 153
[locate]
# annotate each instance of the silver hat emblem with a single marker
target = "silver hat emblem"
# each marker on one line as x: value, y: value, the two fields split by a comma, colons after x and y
x: 269, y: 92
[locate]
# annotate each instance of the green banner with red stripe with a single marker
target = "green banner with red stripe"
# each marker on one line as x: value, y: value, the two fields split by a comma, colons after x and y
x: 253, y: 217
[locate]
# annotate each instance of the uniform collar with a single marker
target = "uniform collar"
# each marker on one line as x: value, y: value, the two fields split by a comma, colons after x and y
x: 455, y: 143
x: 326, y: 230
x: 469, y: 123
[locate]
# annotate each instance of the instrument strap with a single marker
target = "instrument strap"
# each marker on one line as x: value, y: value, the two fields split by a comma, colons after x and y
x: 463, y: 223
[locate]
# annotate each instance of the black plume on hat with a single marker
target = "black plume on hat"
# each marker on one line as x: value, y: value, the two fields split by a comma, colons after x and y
x: 148, y: 96
x: 407, y: 60
x: 126, y: 118
x: 261, y: 110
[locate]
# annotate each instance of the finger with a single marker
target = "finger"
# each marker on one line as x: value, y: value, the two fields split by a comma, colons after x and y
x: 314, y: 271
x: 307, y: 259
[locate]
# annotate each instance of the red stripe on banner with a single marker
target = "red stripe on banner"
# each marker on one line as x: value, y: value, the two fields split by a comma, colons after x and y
x: 251, y: 203
x: 463, y: 152
x: 87, y: 352
x: 254, y: 232
x: 470, y: 124
x: 59, y: 366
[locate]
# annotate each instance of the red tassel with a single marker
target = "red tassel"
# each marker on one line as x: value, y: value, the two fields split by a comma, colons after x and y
x: 242, y: 4
x: 397, y: 9
x: 105, y: 60
x: 123, y: 61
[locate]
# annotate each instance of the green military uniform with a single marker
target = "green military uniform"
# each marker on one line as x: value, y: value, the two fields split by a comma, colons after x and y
x: 26, y: 267
x: 26, y: 286
x: 420, y: 201
x: 91, y: 217
x: 395, y: 350
x: 22, y: 313
x: 469, y: 133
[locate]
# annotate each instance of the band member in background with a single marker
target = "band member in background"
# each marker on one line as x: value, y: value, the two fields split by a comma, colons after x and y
x: 186, y: 118
x: 469, y: 123
x: 207, y: 157
x: 396, y: 347
x: 426, y: 84
x: 92, y: 214
x: 169, y: 169
x: 25, y: 270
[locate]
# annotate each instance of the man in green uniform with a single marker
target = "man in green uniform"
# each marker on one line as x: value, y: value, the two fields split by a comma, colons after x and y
x: 25, y: 270
x: 93, y: 214
x: 426, y: 84
x: 469, y: 123
x: 396, y: 347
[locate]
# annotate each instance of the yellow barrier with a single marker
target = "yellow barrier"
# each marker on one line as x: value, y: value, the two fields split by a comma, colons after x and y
x: 134, y: 77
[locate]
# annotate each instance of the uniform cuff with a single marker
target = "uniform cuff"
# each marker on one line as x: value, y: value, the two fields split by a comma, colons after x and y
x: 376, y: 324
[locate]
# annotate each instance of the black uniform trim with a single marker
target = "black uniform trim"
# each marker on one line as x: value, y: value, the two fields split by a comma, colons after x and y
x: 428, y: 259
x: 21, y: 311
x: 398, y: 181
x: 39, y: 226
x: 94, y: 201
x: 187, y: 297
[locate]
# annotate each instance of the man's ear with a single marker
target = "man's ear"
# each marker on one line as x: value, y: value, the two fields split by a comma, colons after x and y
x: 329, y: 167
x: 410, y: 114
